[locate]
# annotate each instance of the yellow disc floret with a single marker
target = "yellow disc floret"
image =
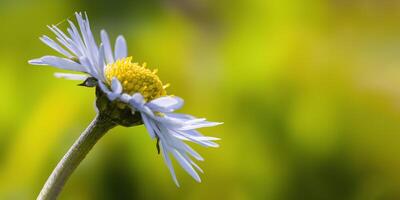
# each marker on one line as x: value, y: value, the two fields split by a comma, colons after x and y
x: 135, y: 78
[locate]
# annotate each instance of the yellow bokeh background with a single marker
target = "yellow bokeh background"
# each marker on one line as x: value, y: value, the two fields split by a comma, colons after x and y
x: 308, y: 92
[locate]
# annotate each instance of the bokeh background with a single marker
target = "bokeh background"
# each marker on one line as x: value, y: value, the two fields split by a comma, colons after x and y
x: 308, y: 90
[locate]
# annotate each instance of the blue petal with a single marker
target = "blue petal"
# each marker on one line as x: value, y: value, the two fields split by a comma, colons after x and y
x: 91, y: 48
x: 61, y: 37
x: 110, y: 94
x: 196, y: 166
x: 62, y: 63
x: 201, y: 140
x: 120, y: 48
x: 36, y: 61
x: 90, y: 34
x: 177, y: 148
x: 166, y: 104
x: 204, y: 143
x: 125, y: 98
x: 186, y: 165
x: 79, y: 77
x: 104, y: 88
x: 149, y: 125
x: 89, y: 66
x: 77, y: 39
x: 137, y: 101
x: 51, y: 43
x: 168, y: 162
x: 183, y: 117
x: 200, y: 125
x: 116, y: 86
x: 107, y: 47
x: 193, y: 153
x: 100, y: 63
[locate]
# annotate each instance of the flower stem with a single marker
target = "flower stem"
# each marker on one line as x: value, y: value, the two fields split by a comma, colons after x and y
x: 54, y: 184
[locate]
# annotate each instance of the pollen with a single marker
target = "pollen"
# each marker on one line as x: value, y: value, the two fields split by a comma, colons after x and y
x: 135, y: 78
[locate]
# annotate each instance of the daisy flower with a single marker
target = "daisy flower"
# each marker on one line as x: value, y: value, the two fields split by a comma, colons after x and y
x: 131, y: 86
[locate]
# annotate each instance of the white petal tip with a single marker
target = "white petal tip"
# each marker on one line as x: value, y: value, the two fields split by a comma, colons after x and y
x: 37, y: 61
x: 76, y: 77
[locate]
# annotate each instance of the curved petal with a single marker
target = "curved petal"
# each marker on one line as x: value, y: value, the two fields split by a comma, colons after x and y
x: 110, y: 94
x: 76, y: 38
x: 186, y: 165
x: 51, y: 43
x: 149, y: 125
x: 61, y: 37
x: 116, y: 86
x: 107, y: 47
x: 168, y: 162
x: 120, y: 48
x: 104, y: 88
x: 89, y: 45
x: 125, y: 98
x: 166, y: 104
x: 137, y: 101
x: 62, y: 63
x: 100, y: 63
x: 89, y: 66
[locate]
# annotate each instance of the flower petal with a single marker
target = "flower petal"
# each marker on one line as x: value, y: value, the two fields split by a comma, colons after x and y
x: 107, y: 47
x: 51, y: 43
x: 166, y: 104
x: 104, y: 88
x: 36, y: 61
x: 116, y: 86
x: 201, y: 140
x: 62, y: 63
x: 208, y: 143
x: 92, y: 42
x: 77, y: 39
x: 200, y: 125
x: 89, y: 66
x: 91, y: 48
x: 100, y: 63
x: 78, y: 77
x: 120, y: 48
x: 149, y: 125
x: 137, y: 101
x: 125, y: 98
x: 196, y: 166
x: 186, y: 165
x: 60, y: 36
x: 110, y: 94
x: 167, y: 160
x: 193, y: 153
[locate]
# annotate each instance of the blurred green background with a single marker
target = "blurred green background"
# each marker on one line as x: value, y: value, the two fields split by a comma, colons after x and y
x: 308, y: 91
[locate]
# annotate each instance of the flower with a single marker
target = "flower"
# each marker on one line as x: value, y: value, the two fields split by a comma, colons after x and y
x: 134, y: 86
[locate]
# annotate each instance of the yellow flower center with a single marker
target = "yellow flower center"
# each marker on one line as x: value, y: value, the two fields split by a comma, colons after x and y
x: 135, y: 78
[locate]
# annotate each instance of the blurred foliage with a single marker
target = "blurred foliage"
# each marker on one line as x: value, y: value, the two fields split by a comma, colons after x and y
x: 307, y: 90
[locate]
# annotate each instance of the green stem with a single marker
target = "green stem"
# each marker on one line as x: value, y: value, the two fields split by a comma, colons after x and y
x: 54, y: 184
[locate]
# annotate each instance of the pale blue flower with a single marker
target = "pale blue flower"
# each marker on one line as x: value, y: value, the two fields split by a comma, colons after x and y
x: 82, y: 54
